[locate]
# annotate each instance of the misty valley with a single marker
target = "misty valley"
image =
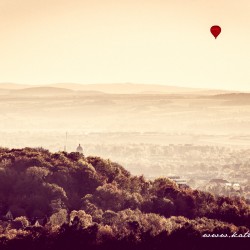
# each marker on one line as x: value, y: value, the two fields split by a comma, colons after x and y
x: 200, y: 137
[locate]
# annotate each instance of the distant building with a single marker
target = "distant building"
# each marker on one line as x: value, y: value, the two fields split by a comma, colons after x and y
x: 79, y: 149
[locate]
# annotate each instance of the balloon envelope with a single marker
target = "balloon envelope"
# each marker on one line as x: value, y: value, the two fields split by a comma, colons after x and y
x: 215, y: 30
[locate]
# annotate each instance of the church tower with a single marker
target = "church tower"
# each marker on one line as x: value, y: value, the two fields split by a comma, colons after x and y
x: 79, y: 149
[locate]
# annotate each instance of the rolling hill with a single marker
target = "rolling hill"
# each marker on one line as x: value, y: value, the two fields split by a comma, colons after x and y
x: 116, y: 88
x: 42, y: 91
x: 69, y: 201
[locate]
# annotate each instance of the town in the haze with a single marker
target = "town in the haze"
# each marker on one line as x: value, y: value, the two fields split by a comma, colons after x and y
x: 219, y: 170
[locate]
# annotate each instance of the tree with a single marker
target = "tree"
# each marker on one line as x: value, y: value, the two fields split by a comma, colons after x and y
x: 59, y: 218
x: 80, y: 219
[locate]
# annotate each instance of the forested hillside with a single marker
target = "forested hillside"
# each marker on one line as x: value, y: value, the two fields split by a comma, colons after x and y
x: 69, y: 201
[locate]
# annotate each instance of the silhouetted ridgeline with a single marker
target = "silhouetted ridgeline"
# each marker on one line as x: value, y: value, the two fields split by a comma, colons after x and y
x: 68, y: 201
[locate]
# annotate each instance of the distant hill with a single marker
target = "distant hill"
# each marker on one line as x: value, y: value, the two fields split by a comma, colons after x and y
x: 230, y: 96
x: 60, y: 89
x: 43, y: 91
x: 69, y: 201
x: 132, y: 88
x: 214, y: 92
x: 91, y: 93
x: 98, y: 89
x: 234, y: 98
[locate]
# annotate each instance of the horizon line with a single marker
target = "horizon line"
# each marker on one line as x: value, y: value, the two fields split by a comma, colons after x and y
x: 122, y: 83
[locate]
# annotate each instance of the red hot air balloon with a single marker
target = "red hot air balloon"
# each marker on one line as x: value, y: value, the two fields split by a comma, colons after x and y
x: 215, y: 30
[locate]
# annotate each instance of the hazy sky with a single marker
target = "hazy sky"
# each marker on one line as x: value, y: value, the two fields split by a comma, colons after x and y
x: 139, y: 41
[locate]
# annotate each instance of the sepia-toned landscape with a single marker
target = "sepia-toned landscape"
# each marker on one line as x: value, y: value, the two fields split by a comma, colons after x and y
x: 174, y: 162
x: 124, y: 125
x: 199, y: 136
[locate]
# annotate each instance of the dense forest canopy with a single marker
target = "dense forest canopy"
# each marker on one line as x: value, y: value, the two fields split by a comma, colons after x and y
x: 50, y: 199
